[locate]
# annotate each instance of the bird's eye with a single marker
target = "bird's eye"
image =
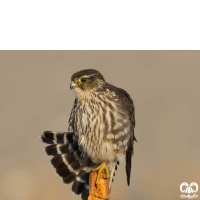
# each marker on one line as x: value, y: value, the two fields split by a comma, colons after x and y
x: 83, y: 80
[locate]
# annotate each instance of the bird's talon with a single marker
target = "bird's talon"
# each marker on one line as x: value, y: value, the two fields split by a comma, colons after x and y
x: 100, y: 168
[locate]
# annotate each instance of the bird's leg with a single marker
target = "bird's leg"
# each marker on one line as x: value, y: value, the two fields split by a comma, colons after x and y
x: 100, y: 168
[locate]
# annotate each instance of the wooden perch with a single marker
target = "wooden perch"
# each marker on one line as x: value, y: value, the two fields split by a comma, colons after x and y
x: 100, y: 191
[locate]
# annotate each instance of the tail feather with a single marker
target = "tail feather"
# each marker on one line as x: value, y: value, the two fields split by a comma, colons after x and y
x: 56, y: 149
x: 77, y: 154
x: 74, y: 166
x: 63, y: 172
x: 48, y: 141
x: 81, y: 184
x: 57, y: 160
x: 73, y: 147
x: 85, y: 192
x: 50, y: 137
x: 77, y: 187
x: 69, y: 162
x: 58, y: 136
x: 69, y: 179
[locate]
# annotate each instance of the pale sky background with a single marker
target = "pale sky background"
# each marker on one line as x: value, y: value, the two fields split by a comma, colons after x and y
x: 35, y: 96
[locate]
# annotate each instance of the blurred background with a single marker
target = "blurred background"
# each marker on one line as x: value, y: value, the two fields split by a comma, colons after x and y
x: 35, y: 96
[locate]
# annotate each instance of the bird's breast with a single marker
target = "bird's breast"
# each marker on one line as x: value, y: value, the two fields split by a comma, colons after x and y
x: 102, y: 130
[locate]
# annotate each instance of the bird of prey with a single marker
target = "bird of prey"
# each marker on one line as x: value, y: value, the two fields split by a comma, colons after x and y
x: 101, y: 132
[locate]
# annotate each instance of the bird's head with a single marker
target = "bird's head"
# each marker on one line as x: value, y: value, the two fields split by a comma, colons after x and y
x: 86, y: 80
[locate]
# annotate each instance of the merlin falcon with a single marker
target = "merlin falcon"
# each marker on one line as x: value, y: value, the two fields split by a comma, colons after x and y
x: 100, y: 133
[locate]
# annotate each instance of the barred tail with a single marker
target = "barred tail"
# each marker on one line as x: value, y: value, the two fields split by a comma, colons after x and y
x: 68, y: 161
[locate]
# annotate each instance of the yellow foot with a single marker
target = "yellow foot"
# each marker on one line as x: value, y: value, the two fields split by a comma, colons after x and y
x: 100, y: 168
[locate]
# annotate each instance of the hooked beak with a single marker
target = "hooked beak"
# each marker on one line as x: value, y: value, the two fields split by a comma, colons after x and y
x: 72, y: 86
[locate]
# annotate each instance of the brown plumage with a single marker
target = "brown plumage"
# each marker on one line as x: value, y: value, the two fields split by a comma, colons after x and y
x: 102, y: 122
